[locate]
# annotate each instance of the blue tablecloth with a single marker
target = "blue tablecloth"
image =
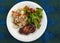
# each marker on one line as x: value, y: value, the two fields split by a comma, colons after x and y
x: 52, y: 9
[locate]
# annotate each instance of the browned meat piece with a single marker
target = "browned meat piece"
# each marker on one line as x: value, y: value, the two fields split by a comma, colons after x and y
x: 33, y: 28
x: 27, y: 29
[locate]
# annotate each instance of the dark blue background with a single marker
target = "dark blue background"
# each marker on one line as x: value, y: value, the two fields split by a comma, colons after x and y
x: 52, y: 9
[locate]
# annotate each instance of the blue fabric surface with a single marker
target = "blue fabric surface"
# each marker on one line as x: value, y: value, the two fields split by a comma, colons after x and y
x: 50, y: 10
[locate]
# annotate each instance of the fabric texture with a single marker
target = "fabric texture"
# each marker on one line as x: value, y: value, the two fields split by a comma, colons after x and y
x: 52, y: 9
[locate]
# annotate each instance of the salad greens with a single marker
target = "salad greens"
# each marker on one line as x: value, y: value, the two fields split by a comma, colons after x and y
x: 35, y: 17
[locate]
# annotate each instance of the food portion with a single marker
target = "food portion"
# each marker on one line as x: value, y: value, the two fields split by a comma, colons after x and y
x: 27, y: 29
x: 28, y: 19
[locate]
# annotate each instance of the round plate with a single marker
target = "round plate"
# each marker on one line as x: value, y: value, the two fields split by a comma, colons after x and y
x: 33, y: 36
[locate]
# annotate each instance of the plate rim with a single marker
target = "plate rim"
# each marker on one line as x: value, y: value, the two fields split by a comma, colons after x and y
x: 7, y: 25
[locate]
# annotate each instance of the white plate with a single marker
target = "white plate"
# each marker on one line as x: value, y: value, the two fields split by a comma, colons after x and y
x: 33, y: 36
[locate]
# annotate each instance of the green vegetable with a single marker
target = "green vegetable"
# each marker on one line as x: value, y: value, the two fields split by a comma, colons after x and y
x: 34, y: 17
x: 39, y: 12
